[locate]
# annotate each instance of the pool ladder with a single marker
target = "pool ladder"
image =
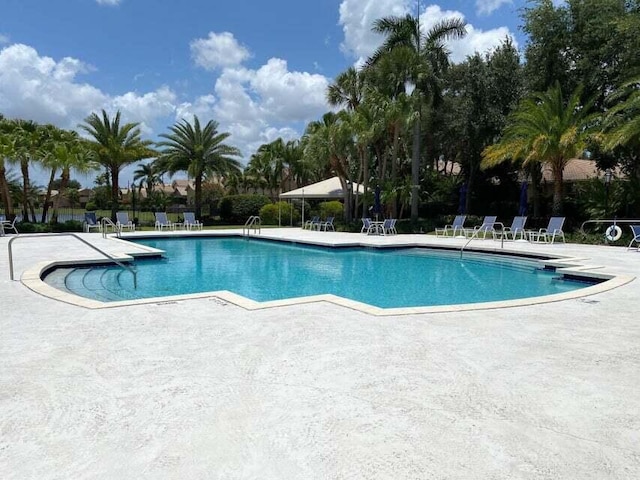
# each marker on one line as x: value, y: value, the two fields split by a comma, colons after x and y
x: 475, y: 235
x: 106, y: 221
x: 253, y: 222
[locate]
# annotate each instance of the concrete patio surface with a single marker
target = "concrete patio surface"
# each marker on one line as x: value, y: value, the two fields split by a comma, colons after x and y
x: 204, y: 388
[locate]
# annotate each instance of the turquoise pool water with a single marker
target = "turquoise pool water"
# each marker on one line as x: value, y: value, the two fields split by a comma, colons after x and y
x: 264, y: 270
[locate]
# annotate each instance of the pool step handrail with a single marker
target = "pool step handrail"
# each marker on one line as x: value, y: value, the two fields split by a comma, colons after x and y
x: 41, y: 235
x: 255, y: 222
x: 475, y: 235
x: 106, y: 221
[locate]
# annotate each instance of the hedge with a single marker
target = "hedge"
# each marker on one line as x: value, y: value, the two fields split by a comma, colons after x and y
x: 235, y: 209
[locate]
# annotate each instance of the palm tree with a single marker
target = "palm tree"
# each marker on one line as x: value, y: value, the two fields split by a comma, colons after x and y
x: 116, y: 146
x: 622, y: 122
x: 544, y: 129
x: 427, y: 59
x: 198, y: 151
x: 7, y: 145
x: 147, y: 173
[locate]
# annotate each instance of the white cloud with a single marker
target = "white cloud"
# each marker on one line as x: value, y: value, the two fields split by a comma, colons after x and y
x: 39, y: 88
x: 219, y: 50
x: 357, y: 17
x: 108, y: 2
x: 4, y: 39
x: 487, y: 7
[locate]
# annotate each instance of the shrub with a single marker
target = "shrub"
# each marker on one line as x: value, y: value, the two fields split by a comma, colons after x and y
x: 91, y: 207
x: 269, y: 213
x: 68, y: 226
x: 235, y: 209
x: 333, y: 208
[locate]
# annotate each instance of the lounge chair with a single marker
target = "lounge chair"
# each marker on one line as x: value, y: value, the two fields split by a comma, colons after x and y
x: 7, y: 225
x: 549, y: 234
x: 163, y: 222
x: 456, y: 227
x: 388, y: 227
x: 310, y: 224
x: 516, y: 228
x: 191, y: 222
x: 487, y: 226
x: 635, y: 231
x: 366, y: 225
x: 90, y: 221
x: 327, y: 224
x: 123, y: 222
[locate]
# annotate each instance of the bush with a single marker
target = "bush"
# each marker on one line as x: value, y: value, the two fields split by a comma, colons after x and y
x: 331, y: 209
x: 68, y: 226
x: 269, y: 213
x: 27, y: 227
x: 235, y: 209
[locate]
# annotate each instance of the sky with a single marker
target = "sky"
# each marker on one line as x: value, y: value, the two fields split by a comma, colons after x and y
x: 260, y: 69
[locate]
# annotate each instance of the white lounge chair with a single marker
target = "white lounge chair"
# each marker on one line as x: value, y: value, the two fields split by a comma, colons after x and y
x: 549, y: 234
x: 311, y: 223
x: 91, y: 222
x: 327, y: 224
x: 123, y: 222
x: 388, y: 227
x: 163, y: 222
x: 191, y: 222
x: 457, y: 227
x: 487, y: 226
x: 635, y: 231
x: 7, y: 225
x: 516, y: 228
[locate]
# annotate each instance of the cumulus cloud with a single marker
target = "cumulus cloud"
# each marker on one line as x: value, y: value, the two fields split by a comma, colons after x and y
x: 48, y: 91
x: 4, y: 39
x: 218, y: 50
x: 487, y: 7
x: 357, y: 17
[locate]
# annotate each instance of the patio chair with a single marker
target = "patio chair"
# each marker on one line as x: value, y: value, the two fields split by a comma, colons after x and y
x: 366, y: 225
x: 162, y: 221
x: 91, y: 221
x: 191, y: 222
x: 123, y: 222
x: 313, y: 221
x: 327, y: 224
x: 393, y: 226
x: 456, y: 227
x: 388, y: 227
x: 516, y: 228
x: 549, y: 234
x: 7, y: 225
x: 635, y: 231
x: 487, y: 226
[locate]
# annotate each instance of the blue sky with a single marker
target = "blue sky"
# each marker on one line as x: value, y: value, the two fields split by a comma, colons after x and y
x: 259, y: 68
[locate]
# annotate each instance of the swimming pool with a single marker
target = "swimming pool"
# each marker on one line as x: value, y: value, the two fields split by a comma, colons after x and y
x: 265, y: 270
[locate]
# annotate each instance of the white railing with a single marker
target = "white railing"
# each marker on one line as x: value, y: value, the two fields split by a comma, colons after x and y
x: 253, y: 222
x: 478, y: 230
x: 106, y: 222
x: 41, y: 235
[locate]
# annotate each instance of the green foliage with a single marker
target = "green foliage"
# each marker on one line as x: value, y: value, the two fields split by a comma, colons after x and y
x: 333, y: 208
x: 235, y: 209
x: 270, y: 213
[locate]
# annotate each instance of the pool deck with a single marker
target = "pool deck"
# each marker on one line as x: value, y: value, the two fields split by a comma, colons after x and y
x: 208, y: 388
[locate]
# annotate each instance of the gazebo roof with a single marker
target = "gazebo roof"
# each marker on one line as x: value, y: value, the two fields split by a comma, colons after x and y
x: 330, y: 188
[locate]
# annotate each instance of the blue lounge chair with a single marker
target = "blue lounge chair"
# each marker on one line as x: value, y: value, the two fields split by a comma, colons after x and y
x: 191, y: 222
x: 635, y: 231
x: 327, y: 224
x: 388, y: 227
x: 488, y: 224
x: 90, y: 221
x: 123, y: 222
x: 310, y: 224
x: 549, y: 234
x: 163, y: 222
x: 366, y: 226
x: 516, y: 228
x: 457, y: 227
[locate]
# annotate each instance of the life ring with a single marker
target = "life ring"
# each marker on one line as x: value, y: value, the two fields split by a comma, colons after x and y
x: 613, y: 233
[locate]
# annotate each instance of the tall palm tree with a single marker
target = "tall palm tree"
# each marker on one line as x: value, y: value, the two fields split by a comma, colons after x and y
x: 622, y: 122
x: 427, y: 58
x: 147, y: 173
x: 547, y: 130
x: 116, y: 146
x: 348, y: 89
x: 7, y: 149
x: 197, y: 151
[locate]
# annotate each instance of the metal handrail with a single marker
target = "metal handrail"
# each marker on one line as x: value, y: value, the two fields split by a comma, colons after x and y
x: 40, y: 235
x: 117, y: 229
x: 475, y: 235
x: 614, y: 221
x: 254, y: 222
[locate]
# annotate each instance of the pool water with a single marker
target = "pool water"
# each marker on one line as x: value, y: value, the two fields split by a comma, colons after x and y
x: 265, y: 270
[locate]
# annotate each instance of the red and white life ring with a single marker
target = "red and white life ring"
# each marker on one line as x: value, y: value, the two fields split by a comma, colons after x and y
x: 613, y: 233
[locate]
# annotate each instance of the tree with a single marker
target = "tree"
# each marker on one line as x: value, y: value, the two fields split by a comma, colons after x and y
x: 197, y: 151
x: 6, y: 151
x: 148, y: 175
x: 547, y: 130
x: 428, y: 59
x: 116, y: 146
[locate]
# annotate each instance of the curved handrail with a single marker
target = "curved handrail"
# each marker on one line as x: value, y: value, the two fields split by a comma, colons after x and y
x: 117, y: 229
x: 40, y: 235
x: 255, y: 222
x: 475, y: 235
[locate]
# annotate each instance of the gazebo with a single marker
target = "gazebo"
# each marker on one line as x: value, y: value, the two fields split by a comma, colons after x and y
x: 326, y: 189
